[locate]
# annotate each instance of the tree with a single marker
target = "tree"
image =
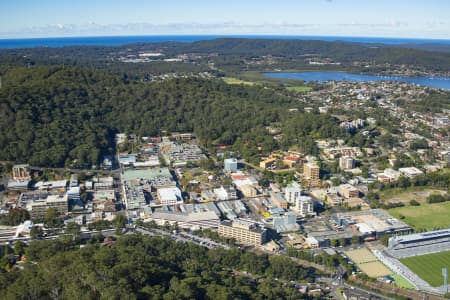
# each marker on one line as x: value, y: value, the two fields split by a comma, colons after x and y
x: 333, y: 242
x: 355, y: 240
x: 36, y: 232
x: 19, y: 248
x: 73, y: 229
x: 120, y: 221
x: 17, y: 215
x: 52, y: 218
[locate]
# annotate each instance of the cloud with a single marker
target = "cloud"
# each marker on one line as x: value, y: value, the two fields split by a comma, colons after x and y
x: 392, y: 28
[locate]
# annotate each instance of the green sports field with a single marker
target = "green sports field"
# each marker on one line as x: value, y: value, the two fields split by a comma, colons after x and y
x: 299, y: 89
x: 429, y: 267
x: 426, y: 216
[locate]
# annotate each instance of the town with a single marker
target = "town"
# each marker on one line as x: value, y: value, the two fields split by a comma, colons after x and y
x: 351, y: 200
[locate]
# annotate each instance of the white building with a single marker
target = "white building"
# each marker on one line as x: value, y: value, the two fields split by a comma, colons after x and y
x: 230, y: 165
x: 346, y: 162
x: 304, y: 206
x: 410, y: 172
x: 169, y: 196
x: 292, y: 192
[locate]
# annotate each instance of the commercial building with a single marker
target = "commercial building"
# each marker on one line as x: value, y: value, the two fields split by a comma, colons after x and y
x: 21, y: 172
x: 169, y: 196
x: 304, y: 206
x: 225, y: 193
x: 285, y: 223
x: 346, y: 162
x: 292, y: 192
x: 267, y: 163
x: 410, y: 172
x: 348, y: 191
x: 279, y: 200
x: 188, y: 220
x: 248, y: 190
x: 38, y: 204
x: 311, y: 171
x: 230, y: 165
x: 104, y: 200
x: 244, y: 232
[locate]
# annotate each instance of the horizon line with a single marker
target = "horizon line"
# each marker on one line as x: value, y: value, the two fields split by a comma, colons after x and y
x: 225, y: 35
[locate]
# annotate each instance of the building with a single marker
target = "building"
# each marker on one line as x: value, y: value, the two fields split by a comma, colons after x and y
x: 292, y: 192
x: 267, y: 163
x: 410, y: 172
x: 73, y: 180
x: 419, y: 243
x: 38, y: 204
x: 348, y: 191
x: 188, y: 220
x: 346, y: 162
x: 304, y: 206
x: 104, y: 200
x: 230, y: 165
x: 21, y: 172
x: 225, y: 193
x: 103, y: 183
x: 311, y: 171
x: 244, y: 232
x: 58, y: 185
x: 169, y: 196
x: 248, y: 190
x: 279, y: 200
x: 285, y: 223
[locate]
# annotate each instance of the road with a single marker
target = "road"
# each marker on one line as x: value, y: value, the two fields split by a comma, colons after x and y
x: 182, y: 237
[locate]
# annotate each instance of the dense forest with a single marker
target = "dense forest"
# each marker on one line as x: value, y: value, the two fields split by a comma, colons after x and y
x: 138, y: 267
x: 230, y: 52
x: 55, y: 116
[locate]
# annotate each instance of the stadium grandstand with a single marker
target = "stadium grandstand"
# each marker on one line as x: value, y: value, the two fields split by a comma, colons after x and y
x: 419, y: 243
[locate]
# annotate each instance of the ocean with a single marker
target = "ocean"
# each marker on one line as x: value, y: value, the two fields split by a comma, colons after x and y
x: 123, y: 40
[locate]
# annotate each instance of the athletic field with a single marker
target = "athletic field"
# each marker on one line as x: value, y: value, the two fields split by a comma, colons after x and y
x: 368, y: 263
x: 425, y: 216
x: 429, y: 266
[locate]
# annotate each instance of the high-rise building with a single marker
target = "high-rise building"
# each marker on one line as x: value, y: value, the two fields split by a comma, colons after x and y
x: 304, y: 206
x: 230, y: 165
x: 346, y: 162
x: 292, y: 192
x: 311, y: 171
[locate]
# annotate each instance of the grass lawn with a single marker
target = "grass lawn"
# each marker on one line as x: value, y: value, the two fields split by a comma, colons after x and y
x: 299, y: 89
x: 425, y: 216
x: 429, y: 267
x: 400, y: 281
x: 418, y: 193
x: 231, y: 80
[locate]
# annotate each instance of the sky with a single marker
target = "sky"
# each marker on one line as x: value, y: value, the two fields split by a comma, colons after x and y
x: 365, y: 18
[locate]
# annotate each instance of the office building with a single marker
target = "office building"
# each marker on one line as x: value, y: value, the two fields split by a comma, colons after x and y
x: 244, y: 232
x: 304, y: 206
x: 169, y: 196
x: 230, y: 165
x: 292, y: 192
x: 346, y: 162
x: 21, y: 172
x: 311, y: 171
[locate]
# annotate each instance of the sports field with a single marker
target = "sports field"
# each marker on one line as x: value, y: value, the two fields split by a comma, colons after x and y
x: 299, y: 89
x: 368, y: 263
x: 232, y: 80
x: 426, y: 216
x: 429, y: 267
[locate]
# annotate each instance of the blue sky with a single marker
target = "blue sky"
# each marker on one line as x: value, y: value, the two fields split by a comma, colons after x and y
x: 381, y: 18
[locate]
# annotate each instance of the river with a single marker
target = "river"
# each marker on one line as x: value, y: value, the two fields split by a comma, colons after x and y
x: 435, y: 82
